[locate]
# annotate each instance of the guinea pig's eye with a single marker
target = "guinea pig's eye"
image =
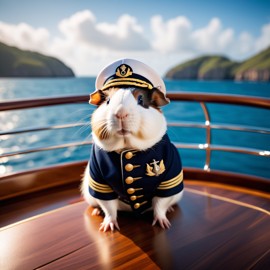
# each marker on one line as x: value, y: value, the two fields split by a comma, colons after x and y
x: 140, y: 100
x: 108, y: 101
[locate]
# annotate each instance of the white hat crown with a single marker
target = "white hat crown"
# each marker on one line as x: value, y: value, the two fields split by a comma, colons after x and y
x: 129, y: 72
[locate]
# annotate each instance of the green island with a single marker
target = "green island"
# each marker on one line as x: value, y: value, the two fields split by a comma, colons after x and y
x: 216, y: 67
x: 15, y: 62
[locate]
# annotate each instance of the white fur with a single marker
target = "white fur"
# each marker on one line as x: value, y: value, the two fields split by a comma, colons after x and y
x: 150, y: 122
x: 116, y: 204
x: 123, y: 112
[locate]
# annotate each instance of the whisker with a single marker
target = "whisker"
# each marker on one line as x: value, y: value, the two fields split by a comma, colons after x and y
x: 88, y: 138
x: 173, y: 132
x: 82, y: 129
x: 104, y: 133
x: 85, y: 125
x: 101, y: 129
x: 81, y: 110
x: 87, y: 116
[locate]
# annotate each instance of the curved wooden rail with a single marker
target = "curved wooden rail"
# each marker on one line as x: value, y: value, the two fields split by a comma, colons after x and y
x: 41, y: 102
x: 219, y: 98
x: 17, y: 184
x: 189, y: 97
x: 198, y: 97
x: 222, y: 221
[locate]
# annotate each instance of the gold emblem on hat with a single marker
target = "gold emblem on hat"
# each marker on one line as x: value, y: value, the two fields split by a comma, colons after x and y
x: 156, y: 169
x: 123, y: 71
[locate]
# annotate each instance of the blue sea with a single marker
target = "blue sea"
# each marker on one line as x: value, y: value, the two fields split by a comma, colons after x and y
x: 11, y: 89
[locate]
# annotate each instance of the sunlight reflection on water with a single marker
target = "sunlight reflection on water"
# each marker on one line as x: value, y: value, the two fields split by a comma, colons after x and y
x: 183, y: 111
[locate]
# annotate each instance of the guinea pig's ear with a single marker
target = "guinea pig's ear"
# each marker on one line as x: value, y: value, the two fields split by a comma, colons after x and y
x: 158, y: 98
x: 97, y: 97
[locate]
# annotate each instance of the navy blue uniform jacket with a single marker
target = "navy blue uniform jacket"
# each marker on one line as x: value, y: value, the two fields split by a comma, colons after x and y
x: 135, y: 177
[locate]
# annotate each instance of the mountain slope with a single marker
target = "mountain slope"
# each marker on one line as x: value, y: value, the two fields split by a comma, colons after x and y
x: 255, y: 68
x: 219, y: 68
x: 19, y: 63
x: 205, y: 67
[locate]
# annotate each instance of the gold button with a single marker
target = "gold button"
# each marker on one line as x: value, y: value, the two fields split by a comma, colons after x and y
x: 130, y: 190
x: 137, y: 205
x: 129, y: 180
x: 128, y: 155
x: 129, y: 167
x: 134, y: 198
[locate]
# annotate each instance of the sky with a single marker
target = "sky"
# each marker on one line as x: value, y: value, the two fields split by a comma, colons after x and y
x: 89, y: 34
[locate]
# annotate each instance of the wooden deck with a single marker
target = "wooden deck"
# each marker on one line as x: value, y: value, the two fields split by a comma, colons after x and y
x: 213, y: 227
x: 217, y: 225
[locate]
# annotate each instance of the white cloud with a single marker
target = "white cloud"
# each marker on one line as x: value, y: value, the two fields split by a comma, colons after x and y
x: 244, y: 44
x: 172, y: 35
x: 24, y: 36
x: 264, y: 40
x: 125, y: 34
x: 212, y: 38
x: 87, y: 45
x: 176, y: 35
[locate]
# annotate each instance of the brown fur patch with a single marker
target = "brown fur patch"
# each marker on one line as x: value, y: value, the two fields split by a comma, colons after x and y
x: 158, y: 98
x: 136, y: 92
x: 101, y: 131
x: 146, y: 94
x: 99, y: 96
x: 99, y: 128
x: 140, y: 135
x: 151, y: 98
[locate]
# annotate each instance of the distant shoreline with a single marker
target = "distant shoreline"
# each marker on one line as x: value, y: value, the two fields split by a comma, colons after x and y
x: 21, y: 63
x: 216, y: 67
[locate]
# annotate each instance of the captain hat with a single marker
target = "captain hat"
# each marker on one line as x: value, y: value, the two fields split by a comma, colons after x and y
x: 129, y: 72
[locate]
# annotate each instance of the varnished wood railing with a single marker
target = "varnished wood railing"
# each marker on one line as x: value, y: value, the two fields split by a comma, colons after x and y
x: 197, y: 97
x: 7, y: 184
x: 202, y: 98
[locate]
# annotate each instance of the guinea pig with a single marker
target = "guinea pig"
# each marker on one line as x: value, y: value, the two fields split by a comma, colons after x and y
x: 133, y: 164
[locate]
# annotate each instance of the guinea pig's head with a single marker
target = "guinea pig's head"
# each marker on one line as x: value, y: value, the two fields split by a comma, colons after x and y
x: 129, y: 96
x: 128, y: 118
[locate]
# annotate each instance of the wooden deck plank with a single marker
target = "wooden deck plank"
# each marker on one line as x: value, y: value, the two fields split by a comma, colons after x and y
x: 47, y: 237
x: 26, y: 206
x: 206, y: 233
x: 14, y: 210
x: 256, y: 198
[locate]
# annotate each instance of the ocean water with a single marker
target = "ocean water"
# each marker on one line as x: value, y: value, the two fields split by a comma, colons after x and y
x: 11, y: 89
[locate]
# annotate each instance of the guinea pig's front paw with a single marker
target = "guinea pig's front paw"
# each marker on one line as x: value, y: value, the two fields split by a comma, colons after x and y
x: 96, y: 212
x: 163, y: 222
x: 109, y: 224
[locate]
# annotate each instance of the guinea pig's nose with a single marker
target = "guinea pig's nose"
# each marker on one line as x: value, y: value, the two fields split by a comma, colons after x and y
x: 121, y: 113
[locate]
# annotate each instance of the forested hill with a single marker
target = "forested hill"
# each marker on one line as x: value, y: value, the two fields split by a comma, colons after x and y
x: 216, y: 67
x: 15, y: 62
